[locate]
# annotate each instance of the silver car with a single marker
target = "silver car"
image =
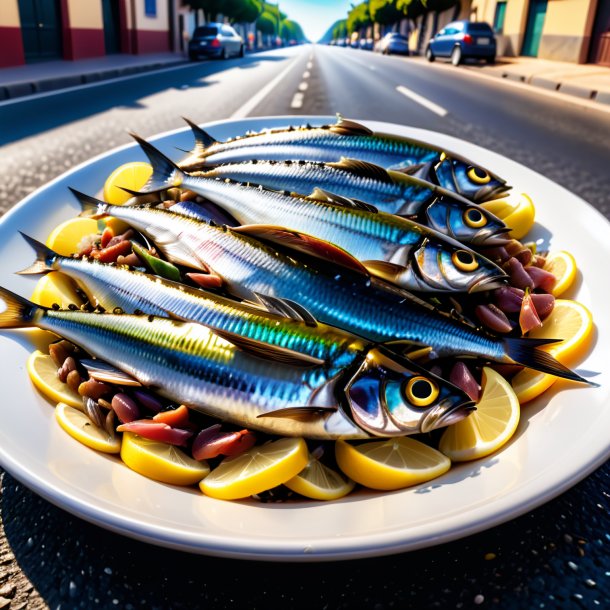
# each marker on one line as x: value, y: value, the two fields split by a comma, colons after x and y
x: 215, y: 40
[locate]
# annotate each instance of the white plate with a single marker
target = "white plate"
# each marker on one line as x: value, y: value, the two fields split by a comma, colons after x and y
x: 562, y: 437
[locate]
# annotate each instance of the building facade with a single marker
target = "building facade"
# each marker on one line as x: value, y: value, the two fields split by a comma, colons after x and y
x: 575, y: 31
x: 38, y: 30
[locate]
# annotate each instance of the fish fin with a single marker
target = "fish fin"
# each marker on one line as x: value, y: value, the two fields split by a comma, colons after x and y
x: 286, y: 308
x: 203, y: 139
x: 304, y: 244
x: 92, y: 207
x: 206, y: 280
x: 166, y: 173
x: 319, y: 194
x: 300, y: 414
x: 523, y: 351
x: 363, y: 169
x: 346, y: 127
x: 268, y: 352
x: 419, y: 170
x: 44, y: 257
x: 103, y: 371
x: 18, y: 312
x: 384, y: 270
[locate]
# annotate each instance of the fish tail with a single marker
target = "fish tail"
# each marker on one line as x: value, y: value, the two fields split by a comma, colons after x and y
x: 523, y: 351
x: 166, y: 173
x: 44, y: 257
x: 18, y: 312
x: 203, y: 139
x: 92, y: 207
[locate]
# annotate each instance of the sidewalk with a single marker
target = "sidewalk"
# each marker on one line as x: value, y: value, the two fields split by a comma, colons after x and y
x: 47, y: 76
x: 587, y: 81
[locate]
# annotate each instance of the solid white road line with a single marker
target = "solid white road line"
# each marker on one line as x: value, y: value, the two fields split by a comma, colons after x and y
x: 259, y: 96
x: 422, y: 101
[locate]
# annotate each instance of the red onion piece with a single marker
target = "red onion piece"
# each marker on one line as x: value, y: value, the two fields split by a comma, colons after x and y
x: 462, y: 377
x: 518, y: 275
x: 508, y: 299
x: 528, y: 316
x: 494, y: 318
x: 125, y: 407
x: 155, y: 431
x: 211, y: 442
x: 544, y: 304
x: 542, y: 279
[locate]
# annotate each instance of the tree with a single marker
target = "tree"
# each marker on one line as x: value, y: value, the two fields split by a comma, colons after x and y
x: 210, y: 8
x: 242, y: 11
x: 340, y: 29
x: 266, y: 23
x: 358, y: 17
x: 385, y: 12
x: 411, y: 9
x: 291, y: 30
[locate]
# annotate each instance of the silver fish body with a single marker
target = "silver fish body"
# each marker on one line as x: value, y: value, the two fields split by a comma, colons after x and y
x: 337, y: 296
x: 186, y: 362
x: 345, y: 138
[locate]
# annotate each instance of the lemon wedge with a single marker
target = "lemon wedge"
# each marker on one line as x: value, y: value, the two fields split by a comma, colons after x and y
x: 43, y: 373
x: 55, y: 287
x: 256, y: 470
x: 517, y: 211
x: 390, y: 464
x: 489, y: 427
x: 320, y: 482
x: 570, y: 321
x: 80, y: 427
x: 563, y: 266
x: 65, y: 237
x: 132, y: 175
x: 161, y: 461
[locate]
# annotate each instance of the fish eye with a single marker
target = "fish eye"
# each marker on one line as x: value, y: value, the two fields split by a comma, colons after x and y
x: 478, y: 175
x: 464, y: 260
x: 474, y: 218
x: 421, y: 391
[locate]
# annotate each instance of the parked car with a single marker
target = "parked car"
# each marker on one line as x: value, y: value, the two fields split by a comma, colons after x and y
x: 394, y: 43
x: 215, y: 40
x: 366, y: 44
x: 462, y: 40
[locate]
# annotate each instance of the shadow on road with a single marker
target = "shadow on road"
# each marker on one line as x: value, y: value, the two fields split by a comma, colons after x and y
x: 34, y: 116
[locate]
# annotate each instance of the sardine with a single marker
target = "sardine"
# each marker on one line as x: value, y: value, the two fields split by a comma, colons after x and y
x: 402, y: 251
x: 389, y: 191
x: 326, y: 285
x: 188, y: 363
x: 346, y: 138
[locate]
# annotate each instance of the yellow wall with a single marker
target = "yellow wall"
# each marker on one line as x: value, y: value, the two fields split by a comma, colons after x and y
x: 566, y: 17
x: 9, y: 13
x: 86, y: 14
x: 158, y: 23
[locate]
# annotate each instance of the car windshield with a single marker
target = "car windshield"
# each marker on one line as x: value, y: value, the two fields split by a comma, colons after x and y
x: 398, y: 37
x: 205, y: 30
x: 479, y: 28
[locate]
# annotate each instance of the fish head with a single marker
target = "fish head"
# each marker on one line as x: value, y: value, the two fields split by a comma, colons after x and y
x: 469, y: 223
x: 390, y: 395
x: 442, y: 264
x: 471, y: 181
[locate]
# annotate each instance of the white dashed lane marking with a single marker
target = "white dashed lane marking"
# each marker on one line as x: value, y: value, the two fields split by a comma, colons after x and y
x: 422, y: 101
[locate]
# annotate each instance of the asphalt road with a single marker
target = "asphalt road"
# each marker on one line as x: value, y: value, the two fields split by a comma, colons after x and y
x: 552, y: 557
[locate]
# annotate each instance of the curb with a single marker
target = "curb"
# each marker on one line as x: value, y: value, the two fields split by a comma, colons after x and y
x: 23, y: 88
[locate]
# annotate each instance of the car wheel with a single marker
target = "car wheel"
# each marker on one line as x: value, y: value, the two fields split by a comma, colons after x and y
x: 430, y: 55
x: 490, y: 60
x: 192, y: 57
x: 456, y: 56
x: 224, y: 54
x: 241, y: 51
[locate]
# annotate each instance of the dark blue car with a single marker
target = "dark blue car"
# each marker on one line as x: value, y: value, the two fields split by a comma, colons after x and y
x: 462, y: 40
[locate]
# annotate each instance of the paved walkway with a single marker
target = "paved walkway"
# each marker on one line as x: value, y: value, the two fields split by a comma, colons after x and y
x: 47, y: 76
x: 587, y: 81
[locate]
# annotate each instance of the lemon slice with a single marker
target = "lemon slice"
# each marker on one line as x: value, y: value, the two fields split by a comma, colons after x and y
x: 517, y: 211
x: 256, y: 470
x: 80, y: 427
x: 390, y: 464
x: 489, y: 427
x: 43, y: 373
x: 563, y: 266
x: 132, y: 175
x: 65, y: 237
x: 320, y: 482
x: 570, y: 321
x: 161, y: 461
x: 55, y: 287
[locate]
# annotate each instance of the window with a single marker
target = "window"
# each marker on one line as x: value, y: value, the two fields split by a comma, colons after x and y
x: 499, y: 17
x: 150, y: 8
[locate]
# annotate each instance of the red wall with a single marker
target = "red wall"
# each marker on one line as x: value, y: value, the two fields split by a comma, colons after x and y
x: 11, y: 47
x: 150, y: 41
x: 80, y: 43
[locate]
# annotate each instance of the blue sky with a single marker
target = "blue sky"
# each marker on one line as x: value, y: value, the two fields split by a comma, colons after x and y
x: 315, y: 16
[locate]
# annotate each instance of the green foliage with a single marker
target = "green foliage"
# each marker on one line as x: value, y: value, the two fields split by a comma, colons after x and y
x: 439, y: 5
x: 291, y: 30
x: 244, y: 11
x: 340, y: 29
x: 411, y: 9
x: 267, y: 23
x: 384, y: 12
x: 359, y: 17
